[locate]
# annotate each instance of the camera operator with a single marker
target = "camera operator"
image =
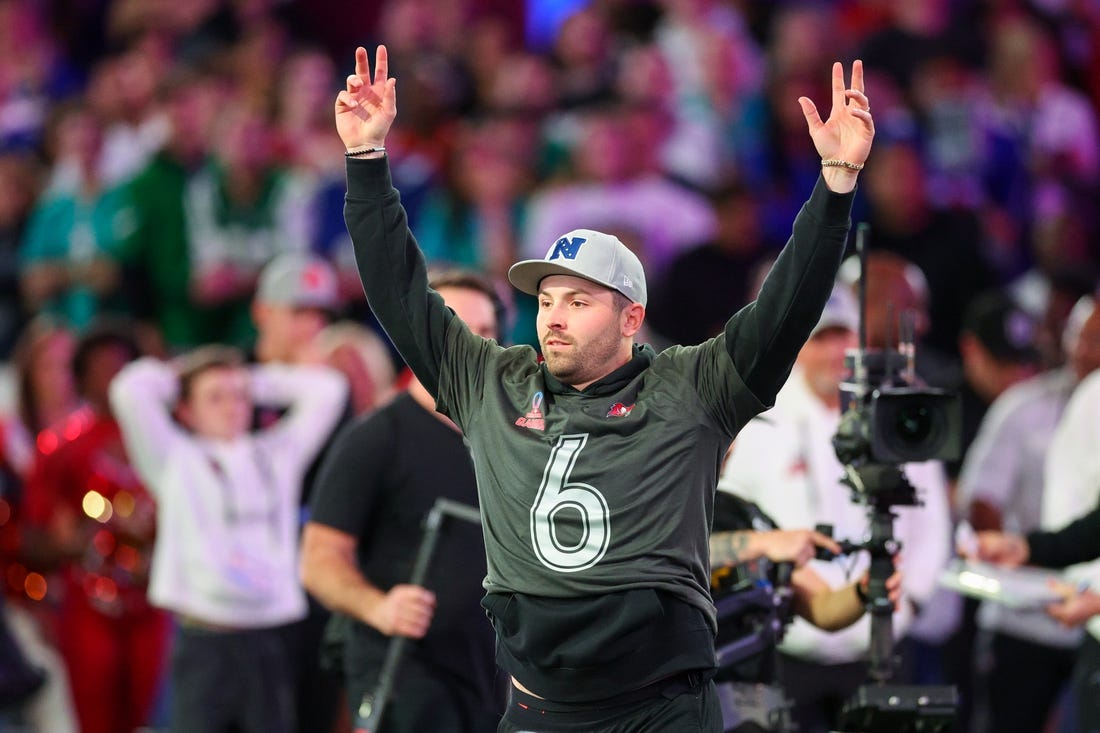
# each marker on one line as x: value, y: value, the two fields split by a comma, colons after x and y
x: 744, y: 535
x: 785, y: 461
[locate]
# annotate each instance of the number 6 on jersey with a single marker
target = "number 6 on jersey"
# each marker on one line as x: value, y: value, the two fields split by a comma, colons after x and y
x: 556, y: 494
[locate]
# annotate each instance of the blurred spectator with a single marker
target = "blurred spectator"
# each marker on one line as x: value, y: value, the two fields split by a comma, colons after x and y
x: 1071, y: 481
x: 294, y: 302
x: 717, y: 64
x: 226, y: 552
x: 707, y: 283
x: 583, y: 58
x: 95, y: 524
x: 1025, y: 657
x: 33, y: 73
x: 997, y: 344
x: 18, y: 188
x: 159, y: 251
x: 46, y: 390
x: 241, y: 210
x: 946, y: 245
x: 614, y: 190
x: 78, y: 229
x: 1042, y: 145
x: 364, y: 359
x: 45, y: 393
x: 122, y: 91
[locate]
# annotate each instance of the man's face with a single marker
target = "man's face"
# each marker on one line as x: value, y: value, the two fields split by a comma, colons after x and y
x: 473, y: 308
x: 220, y: 403
x: 284, y: 332
x: 822, y: 360
x: 583, y: 332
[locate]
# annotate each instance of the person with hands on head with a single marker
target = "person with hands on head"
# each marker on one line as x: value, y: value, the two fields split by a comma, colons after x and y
x: 598, y: 592
x: 225, y: 557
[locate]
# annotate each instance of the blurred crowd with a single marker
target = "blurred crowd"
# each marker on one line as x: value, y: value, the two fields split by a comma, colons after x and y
x: 156, y: 156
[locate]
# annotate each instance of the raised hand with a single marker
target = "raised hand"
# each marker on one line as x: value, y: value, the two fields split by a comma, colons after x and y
x: 365, y: 110
x: 848, y: 132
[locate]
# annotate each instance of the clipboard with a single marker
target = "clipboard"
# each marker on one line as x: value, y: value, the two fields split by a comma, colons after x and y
x: 1023, y: 588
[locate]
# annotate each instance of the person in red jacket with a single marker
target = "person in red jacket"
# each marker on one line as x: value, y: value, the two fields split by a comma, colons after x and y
x: 94, y: 523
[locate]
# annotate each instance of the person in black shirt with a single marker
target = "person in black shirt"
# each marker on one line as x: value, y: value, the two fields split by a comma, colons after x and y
x: 376, y: 485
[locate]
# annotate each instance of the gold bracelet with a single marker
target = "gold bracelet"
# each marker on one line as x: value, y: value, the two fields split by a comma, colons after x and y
x: 834, y: 163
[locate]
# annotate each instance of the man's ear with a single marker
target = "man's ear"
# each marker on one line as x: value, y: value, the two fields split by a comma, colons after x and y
x: 632, y: 318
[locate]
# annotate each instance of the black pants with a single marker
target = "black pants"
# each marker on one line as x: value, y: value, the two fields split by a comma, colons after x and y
x: 695, y: 710
x: 1019, y: 682
x: 819, y: 691
x: 1086, y: 685
x: 234, y: 680
x: 422, y: 702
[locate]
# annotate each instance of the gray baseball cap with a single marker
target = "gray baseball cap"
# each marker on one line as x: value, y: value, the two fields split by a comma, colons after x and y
x: 300, y: 281
x: 841, y: 311
x: 593, y: 255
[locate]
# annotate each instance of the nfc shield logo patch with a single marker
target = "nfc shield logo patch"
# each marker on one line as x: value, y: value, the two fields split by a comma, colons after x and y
x: 567, y: 248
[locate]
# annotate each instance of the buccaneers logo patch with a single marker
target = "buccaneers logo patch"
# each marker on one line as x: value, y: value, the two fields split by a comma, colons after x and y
x: 619, y: 410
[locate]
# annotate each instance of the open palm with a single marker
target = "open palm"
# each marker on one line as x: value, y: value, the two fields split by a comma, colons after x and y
x: 848, y: 132
x: 365, y: 110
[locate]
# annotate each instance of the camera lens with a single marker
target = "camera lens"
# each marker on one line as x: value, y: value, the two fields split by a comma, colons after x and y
x: 914, y: 423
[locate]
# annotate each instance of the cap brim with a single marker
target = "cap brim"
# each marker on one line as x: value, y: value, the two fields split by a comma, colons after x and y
x: 527, y: 274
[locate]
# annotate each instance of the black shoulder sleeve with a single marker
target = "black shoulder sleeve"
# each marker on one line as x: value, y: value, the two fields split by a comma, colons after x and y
x: 764, y: 337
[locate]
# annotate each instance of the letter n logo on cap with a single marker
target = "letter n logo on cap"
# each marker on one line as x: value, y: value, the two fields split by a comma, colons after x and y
x: 567, y: 248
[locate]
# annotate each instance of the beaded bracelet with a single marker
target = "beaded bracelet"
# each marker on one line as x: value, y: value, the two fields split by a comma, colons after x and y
x: 363, y: 150
x: 833, y: 163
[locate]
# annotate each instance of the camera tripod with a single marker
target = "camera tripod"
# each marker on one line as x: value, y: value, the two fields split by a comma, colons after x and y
x: 880, y: 707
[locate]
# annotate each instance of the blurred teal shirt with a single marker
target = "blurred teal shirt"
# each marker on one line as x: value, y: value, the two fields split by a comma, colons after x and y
x: 66, y: 227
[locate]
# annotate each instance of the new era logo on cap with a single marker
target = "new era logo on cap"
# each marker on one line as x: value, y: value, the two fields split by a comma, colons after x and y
x: 586, y: 253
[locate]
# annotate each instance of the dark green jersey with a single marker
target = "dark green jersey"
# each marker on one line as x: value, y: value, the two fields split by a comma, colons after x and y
x: 606, y: 492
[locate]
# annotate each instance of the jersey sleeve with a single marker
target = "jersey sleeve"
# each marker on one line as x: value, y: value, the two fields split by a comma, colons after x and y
x: 352, y: 475
x: 393, y: 270
x: 764, y: 337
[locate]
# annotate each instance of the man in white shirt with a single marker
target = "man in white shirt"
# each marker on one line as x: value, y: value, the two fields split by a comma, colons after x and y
x: 225, y: 558
x: 1026, y: 656
x: 785, y: 462
x: 1071, y: 489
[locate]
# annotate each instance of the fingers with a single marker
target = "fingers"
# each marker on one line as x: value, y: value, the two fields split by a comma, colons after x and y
x: 838, y: 87
x: 859, y: 98
x: 809, y: 110
x: 857, y: 75
x: 361, y: 67
x: 825, y: 541
x: 346, y: 101
x: 412, y: 610
x: 389, y: 97
x: 381, y: 65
